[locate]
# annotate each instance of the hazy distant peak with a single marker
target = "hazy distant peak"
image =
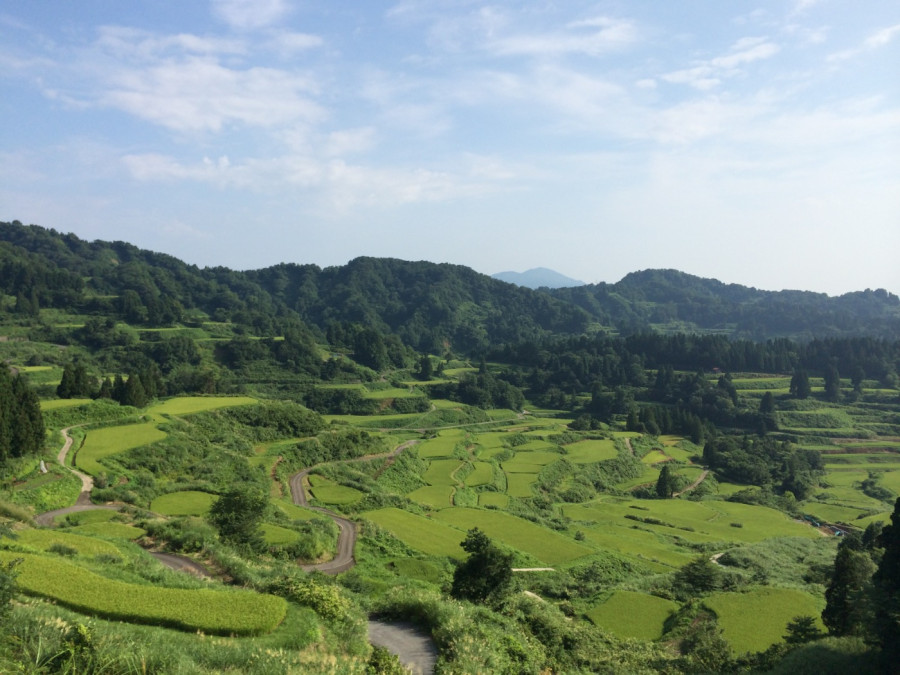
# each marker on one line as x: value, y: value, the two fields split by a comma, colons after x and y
x: 538, y: 277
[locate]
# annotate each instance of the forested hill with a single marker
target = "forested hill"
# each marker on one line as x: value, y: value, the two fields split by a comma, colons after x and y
x: 675, y: 301
x: 428, y: 306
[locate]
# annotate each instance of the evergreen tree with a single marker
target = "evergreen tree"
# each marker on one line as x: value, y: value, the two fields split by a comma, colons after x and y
x: 832, y: 383
x: 846, y: 606
x: 887, y: 591
x: 665, y: 484
x: 134, y: 393
x: 800, y: 387
x: 487, y: 573
x: 237, y: 516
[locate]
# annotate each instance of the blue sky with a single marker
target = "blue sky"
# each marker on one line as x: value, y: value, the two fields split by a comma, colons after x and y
x: 754, y: 142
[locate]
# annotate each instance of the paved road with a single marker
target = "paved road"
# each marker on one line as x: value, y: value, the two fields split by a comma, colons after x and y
x: 410, y: 643
x: 181, y: 564
x: 343, y: 559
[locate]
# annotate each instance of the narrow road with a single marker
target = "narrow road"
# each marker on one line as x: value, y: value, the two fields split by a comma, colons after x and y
x: 343, y: 559
x: 413, y: 646
x: 181, y: 564
x: 700, y: 479
x: 83, y: 503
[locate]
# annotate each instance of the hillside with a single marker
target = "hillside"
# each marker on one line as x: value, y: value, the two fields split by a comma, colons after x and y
x: 538, y: 277
x: 206, y: 470
x: 679, y: 302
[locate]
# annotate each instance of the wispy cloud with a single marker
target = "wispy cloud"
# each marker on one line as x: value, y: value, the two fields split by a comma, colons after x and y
x: 250, y: 14
x: 875, y: 41
x: 708, y: 74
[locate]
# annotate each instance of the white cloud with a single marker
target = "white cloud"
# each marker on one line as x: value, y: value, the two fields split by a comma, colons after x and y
x: 877, y: 40
x: 288, y: 44
x: 249, y: 14
x: 199, y: 94
x: 124, y: 42
x: 708, y: 74
x: 593, y: 37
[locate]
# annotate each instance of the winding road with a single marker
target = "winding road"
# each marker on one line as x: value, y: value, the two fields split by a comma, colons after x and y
x: 343, y: 559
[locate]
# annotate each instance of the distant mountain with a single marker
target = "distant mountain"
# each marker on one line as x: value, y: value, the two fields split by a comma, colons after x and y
x: 669, y: 300
x: 430, y: 307
x: 538, y: 277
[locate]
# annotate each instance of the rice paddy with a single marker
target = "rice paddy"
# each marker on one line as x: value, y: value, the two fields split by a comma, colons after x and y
x: 101, y: 443
x: 628, y: 614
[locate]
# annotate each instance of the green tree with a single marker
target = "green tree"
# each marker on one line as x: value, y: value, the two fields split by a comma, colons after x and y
x: 699, y: 576
x: 887, y: 591
x: 237, y: 515
x: 486, y: 573
x: 426, y: 370
x: 666, y: 483
x: 800, y: 387
x: 832, y: 383
x: 802, y: 629
x: 847, y: 607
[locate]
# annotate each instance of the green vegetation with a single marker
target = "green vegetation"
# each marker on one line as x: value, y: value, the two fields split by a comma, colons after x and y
x: 101, y: 443
x: 242, y: 613
x: 551, y: 430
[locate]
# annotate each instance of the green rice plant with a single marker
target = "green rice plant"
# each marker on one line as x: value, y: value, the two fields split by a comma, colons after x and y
x: 519, y: 484
x: 640, y: 544
x: 423, y: 534
x: 654, y: 457
x: 219, y: 612
x: 84, y: 545
x: 440, y: 472
x: 628, y: 614
x: 188, y: 405
x: 756, y: 620
x: 587, y: 452
x: 85, y: 517
x: 497, y: 499
x: 112, y: 530
x: 513, y: 467
x: 109, y: 441
x: 336, y: 494
x: 60, y: 403
x: 294, y: 512
x: 544, y: 544
x: 482, y: 474
x: 436, y: 496
x: 183, y: 503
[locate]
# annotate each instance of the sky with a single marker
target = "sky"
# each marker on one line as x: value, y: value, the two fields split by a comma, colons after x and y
x: 753, y: 142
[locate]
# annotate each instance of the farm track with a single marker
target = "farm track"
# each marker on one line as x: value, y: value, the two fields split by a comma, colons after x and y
x: 83, y: 503
x: 343, y: 559
x: 697, y: 482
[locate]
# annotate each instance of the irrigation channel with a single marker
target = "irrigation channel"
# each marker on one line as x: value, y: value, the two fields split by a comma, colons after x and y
x: 413, y: 646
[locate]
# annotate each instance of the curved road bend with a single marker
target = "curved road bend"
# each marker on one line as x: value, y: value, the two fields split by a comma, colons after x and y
x: 343, y: 559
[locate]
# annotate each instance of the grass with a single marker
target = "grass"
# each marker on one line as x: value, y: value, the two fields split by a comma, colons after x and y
x: 219, y: 612
x: 637, y: 543
x: 420, y: 533
x: 275, y: 535
x: 627, y: 614
x: 102, y: 443
x: 85, y: 517
x: 586, y: 452
x: 754, y: 621
x: 184, y: 503
x: 546, y: 545
x: 295, y: 512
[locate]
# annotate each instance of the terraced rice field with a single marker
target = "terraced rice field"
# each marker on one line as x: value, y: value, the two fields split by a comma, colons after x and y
x: 86, y: 546
x: 754, y: 621
x: 586, y: 452
x: 275, y: 535
x: 519, y: 484
x: 188, y: 405
x: 209, y: 611
x: 627, y: 614
x: 59, y: 403
x: 497, y: 499
x: 545, y: 545
x: 436, y: 496
x: 336, y: 494
x: 427, y: 535
x: 109, y: 441
x: 108, y: 529
x: 482, y: 474
x: 183, y: 503
x: 440, y: 472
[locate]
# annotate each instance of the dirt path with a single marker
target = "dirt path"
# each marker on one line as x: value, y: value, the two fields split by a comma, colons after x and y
x: 700, y: 479
x: 409, y: 642
x: 179, y: 563
x: 343, y: 559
